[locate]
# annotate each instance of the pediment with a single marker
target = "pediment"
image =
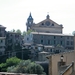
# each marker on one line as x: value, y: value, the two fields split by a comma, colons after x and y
x: 47, y: 23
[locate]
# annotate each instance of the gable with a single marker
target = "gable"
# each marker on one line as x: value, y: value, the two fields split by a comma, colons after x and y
x: 47, y: 23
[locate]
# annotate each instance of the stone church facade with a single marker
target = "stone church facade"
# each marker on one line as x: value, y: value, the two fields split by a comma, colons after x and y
x: 47, y: 25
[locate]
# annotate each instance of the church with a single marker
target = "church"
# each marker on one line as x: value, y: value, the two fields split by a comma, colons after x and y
x: 49, y: 35
x: 46, y: 26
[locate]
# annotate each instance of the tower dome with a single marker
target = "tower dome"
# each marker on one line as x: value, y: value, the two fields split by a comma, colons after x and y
x: 30, y: 17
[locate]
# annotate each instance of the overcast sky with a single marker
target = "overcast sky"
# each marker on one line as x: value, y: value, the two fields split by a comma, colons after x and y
x: 14, y: 13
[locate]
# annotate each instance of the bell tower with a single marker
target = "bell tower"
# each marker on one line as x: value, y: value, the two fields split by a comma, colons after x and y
x: 29, y: 22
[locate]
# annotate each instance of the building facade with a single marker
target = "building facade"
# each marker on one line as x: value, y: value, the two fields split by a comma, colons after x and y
x: 2, y: 31
x: 13, y: 41
x: 51, y: 39
x: 47, y: 36
x: 47, y: 25
x: 2, y: 45
x: 2, y: 39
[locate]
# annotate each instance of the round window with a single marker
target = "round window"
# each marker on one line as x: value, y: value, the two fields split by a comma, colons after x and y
x: 47, y: 23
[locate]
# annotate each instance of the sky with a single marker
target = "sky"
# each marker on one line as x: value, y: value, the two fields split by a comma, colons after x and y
x: 14, y: 13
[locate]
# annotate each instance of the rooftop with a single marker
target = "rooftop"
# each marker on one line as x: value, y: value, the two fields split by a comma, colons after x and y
x: 1, y: 26
x: 2, y: 37
x: 58, y: 34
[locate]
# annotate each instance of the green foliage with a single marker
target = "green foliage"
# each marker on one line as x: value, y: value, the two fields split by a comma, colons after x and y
x: 13, y: 30
x: 24, y: 33
x: 29, y: 31
x: 11, y: 69
x: 12, y: 61
x: 26, y: 66
x: 9, y: 62
x: 18, y: 31
x: 73, y: 32
x: 34, y: 68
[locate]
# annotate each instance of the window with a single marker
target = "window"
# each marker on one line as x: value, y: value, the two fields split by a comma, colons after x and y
x: 50, y: 50
x: 41, y: 41
x: 54, y: 37
x: 68, y: 37
x: 61, y: 36
x: 0, y: 34
x: 11, y: 34
x: 0, y: 46
x: 67, y: 42
x: 27, y: 38
x: 71, y: 37
x: 71, y: 42
x: 47, y: 23
x: 52, y: 24
x: 42, y: 24
x: 48, y: 42
x: 29, y: 22
x: 1, y: 41
x: 61, y: 42
x: 42, y: 36
x: 54, y: 42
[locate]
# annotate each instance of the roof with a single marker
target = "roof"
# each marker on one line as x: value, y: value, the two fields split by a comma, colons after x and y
x: 49, y: 46
x: 57, y: 34
x: 2, y: 37
x: 43, y: 52
x: 2, y: 26
x: 60, y: 53
x: 12, y: 32
x: 48, y: 20
x: 26, y: 44
x: 39, y: 44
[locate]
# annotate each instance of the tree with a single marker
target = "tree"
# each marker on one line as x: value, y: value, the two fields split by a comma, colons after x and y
x: 29, y: 31
x: 34, y: 68
x: 9, y: 62
x: 26, y: 66
x: 13, y: 30
x: 12, y: 61
x: 18, y: 31
x: 24, y: 33
x: 73, y: 32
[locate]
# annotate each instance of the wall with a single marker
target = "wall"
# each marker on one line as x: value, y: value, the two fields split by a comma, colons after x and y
x: 47, y: 29
x: 68, y: 58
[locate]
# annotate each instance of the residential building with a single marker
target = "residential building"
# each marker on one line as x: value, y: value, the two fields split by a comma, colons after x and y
x: 62, y: 63
x: 51, y: 40
x: 2, y: 31
x: 13, y: 41
x: 2, y: 39
x: 2, y: 45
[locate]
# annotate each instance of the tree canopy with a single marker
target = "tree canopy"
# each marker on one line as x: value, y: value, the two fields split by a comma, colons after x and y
x: 9, y: 62
x: 26, y: 66
x: 73, y: 32
x: 18, y: 31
